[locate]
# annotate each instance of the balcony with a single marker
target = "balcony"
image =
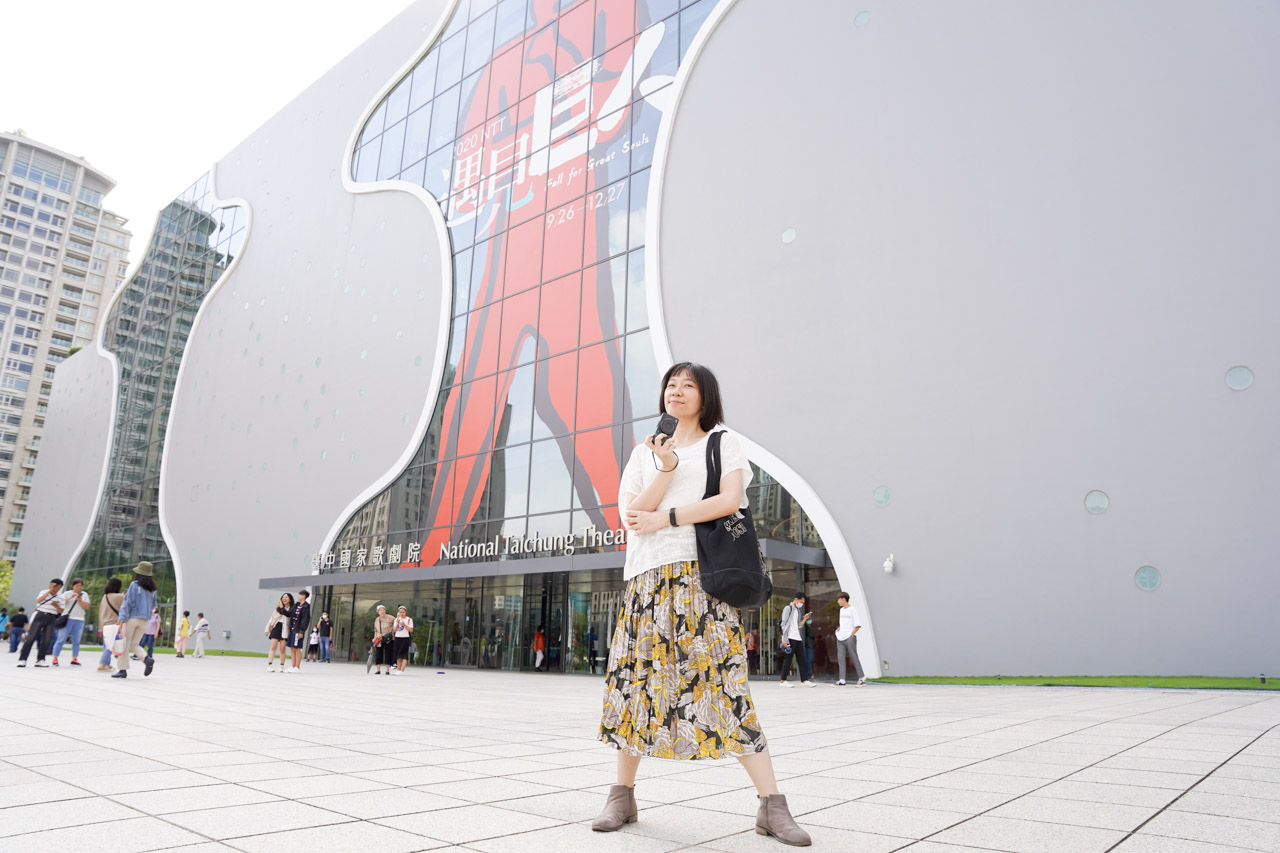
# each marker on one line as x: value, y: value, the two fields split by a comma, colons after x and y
x: 18, y: 519
x: 28, y: 463
x: 33, y: 444
x: 14, y: 537
x: 26, y: 481
x: 20, y: 501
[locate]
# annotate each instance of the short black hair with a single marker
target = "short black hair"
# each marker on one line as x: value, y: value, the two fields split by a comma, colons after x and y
x: 22, y: 610
x: 58, y: 581
x: 186, y: 613
x: 113, y: 586
x: 77, y: 581
x: 842, y: 594
x: 304, y: 593
x: 799, y: 595
x: 712, y: 414
x: 200, y: 615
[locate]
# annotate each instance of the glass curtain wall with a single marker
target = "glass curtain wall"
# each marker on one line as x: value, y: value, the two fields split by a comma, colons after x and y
x: 147, y: 331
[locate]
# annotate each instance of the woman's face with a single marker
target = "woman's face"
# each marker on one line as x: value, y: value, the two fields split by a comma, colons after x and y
x: 402, y: 613
x: 682, y: 397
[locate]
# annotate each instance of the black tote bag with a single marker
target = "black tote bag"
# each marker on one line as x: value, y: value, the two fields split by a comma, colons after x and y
x: 729, y: 558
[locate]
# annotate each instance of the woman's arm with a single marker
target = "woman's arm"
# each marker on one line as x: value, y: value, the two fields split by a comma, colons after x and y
x: 707, y: 509
x: 666, y: 462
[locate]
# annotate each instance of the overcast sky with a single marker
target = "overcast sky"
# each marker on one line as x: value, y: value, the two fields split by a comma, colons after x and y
x: 152, y: 92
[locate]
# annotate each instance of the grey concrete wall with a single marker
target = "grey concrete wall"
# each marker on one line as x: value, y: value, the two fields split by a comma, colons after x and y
x: 310, y: 365
x: 68, y: 486
x: 1029, y: 241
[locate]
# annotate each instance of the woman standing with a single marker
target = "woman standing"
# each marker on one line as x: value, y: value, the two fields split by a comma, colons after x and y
x: 277, y: 631
x: 403, y: 632
x: 184, y: 631
x: 676, y: 682
x: 109, y: 619
x: 313, y: 647
x: 135, y: 611
x: 383, y: 638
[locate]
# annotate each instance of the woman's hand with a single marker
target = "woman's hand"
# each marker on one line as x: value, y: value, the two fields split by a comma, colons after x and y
x: 665, y: 452
x: 639, y: 521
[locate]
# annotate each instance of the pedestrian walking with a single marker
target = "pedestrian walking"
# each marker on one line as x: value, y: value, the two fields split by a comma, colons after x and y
x: 326, y: 636
x: 403, y: 636
x: 201, y: 634
x: 136, y: 610
x: 180, y: 636
x: 4, y: 622
x: 299, y: 625
x: 383, y: 641
x: 152, y: 632
x: 109, y: 619
x: 592, y: 639
x: 539, y: 649
x: 791, y: 630
x: 660, y: 700
x: 753, y: 651
x: 277, y: 631
x: 17, y: 628
x: 41, y: 631
x: 847, y: 640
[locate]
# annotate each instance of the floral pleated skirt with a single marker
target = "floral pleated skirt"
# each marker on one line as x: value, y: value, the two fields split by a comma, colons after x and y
x: 676, y: 683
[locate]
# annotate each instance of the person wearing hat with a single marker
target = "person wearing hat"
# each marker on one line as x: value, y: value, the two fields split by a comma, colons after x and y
x: 137, y: 607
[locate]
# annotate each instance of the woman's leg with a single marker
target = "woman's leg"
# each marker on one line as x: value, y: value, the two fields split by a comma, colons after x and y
x: 759, y: 767
x: 627, y: 766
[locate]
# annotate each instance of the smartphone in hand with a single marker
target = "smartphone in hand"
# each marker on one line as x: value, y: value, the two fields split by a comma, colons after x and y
x: 666, y: 427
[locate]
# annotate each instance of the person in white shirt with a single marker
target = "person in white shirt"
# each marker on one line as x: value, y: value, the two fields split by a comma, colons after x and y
x: 40, y: 632
x: 403, y: 634
x: 847, y: 640
x: 791, y: 629
x: 75, y: 603
x: 201, y: 633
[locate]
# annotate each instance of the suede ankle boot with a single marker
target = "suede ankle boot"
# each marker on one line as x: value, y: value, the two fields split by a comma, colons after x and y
x: 618, y: 810
x: 774, y: 818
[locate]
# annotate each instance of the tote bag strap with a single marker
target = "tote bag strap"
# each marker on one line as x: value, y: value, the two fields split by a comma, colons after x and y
x: 713, y: 464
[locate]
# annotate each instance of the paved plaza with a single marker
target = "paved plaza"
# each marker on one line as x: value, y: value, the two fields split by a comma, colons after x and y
x: 218, y: 754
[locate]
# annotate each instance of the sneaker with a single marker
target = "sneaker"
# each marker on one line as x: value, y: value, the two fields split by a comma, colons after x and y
x: 839, y: 684
x: 150, y: 662
x: 55, y: 661
x: 861, y: 683
x: 121, y: 674
x: 179, y: 654
x: 104, y: 669
x: 75, y: 662
x: 809, y: 683
x: 785, y: 684
x: 21, y: 664
x: 42, y: 663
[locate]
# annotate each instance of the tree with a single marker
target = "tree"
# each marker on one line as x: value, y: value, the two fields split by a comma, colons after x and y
x: 6, y: 580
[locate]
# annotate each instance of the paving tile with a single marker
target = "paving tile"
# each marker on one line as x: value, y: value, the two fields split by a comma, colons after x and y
x: 40, y: 792
x: 964, y: 780
x: 357, y: 762
x: 901, y: 821
x: 565, y: 806
x: 1022, y: 836
x: 467, y: 824
x: 415, y: 776
x: 1161, y: 765
x: 237, y: 821
x: 128, y: 783
x: 939, y: 799
x: 879, y: 773
x: 1143, y: 843
x: 192, y: 799
x: 747, y: 803
x: 1228, y: 805
x: 342, y: 838
x: 1145, y: 778
x: 1216, y: 784
x: 488, y: 789
x: 371, y: 804
x: 686, y: 824
x: 316, y: 786
x: 1104, y: 792
x: 573, y: 837
x: 1215, y: 829
x: 260, y: 772
x: 137, y: 835
x: 1249, y: 771
x: 18, y: 820
x: 1076, y: 812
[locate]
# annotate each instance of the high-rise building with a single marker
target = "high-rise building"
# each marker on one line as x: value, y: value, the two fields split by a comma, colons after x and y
x: 61, y: 256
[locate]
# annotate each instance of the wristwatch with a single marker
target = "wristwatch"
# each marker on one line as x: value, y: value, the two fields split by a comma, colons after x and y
x: 671, y: 515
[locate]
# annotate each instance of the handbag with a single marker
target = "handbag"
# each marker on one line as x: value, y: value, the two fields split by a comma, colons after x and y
x: 729, y: 558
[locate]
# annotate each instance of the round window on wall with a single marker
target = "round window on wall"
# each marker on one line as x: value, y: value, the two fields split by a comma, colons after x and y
x: 1096, y: 502
x: 1239, y: 378
x: 1147, y: 578
x: 882, y: 496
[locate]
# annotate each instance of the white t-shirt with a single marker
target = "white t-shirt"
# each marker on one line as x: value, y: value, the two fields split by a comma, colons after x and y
x: 848, y: 621
x: 46, y: 605
x: 796, y: 619
x: 74, y: 600
x: 673, y: 544
x: 404, y: 625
